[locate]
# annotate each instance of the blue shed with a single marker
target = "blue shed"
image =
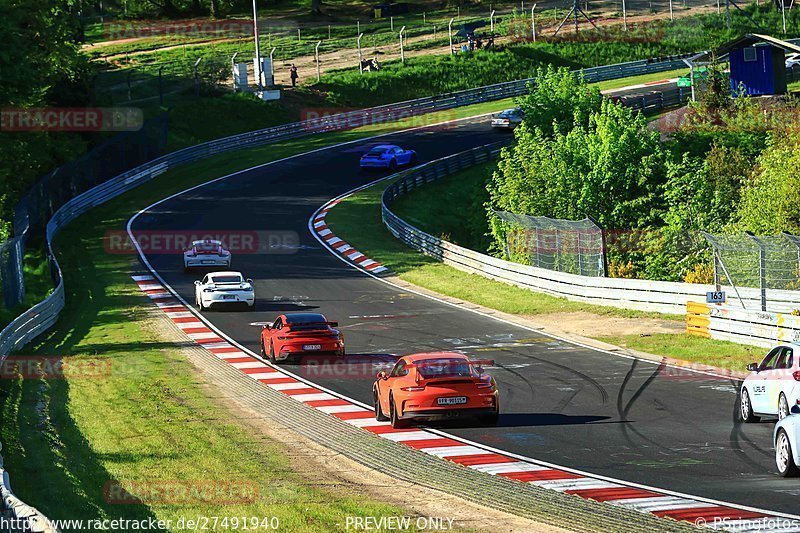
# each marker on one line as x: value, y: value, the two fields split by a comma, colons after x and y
x: 758, y: 69
x: 757, y: 63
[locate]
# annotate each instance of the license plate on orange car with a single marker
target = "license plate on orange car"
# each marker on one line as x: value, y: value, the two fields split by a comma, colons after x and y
x: 311, y: 347
x: 452, y: 401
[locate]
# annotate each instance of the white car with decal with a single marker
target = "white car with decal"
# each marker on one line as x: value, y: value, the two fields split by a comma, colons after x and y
x: 206, y: 253
x: 219, y: 289
x: 786, y: 437
x: 773, y: 386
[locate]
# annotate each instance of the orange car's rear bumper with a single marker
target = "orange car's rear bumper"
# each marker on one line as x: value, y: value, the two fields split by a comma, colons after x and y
x: 447, y: 413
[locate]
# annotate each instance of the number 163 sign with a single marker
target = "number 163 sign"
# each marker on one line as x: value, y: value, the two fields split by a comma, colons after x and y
x: 715, y: 297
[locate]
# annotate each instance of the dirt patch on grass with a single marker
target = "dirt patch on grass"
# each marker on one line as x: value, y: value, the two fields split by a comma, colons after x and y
x: 591, y: 325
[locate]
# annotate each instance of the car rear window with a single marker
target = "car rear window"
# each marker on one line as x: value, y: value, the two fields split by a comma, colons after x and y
x: 226, y: 279
x: 434, y: 368
x: 377, y: 151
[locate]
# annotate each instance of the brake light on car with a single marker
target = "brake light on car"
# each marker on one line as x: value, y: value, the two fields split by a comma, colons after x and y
x: 283, y: 338
x: 485, y: 385
x: 796, y: 375
x: 412, y: 389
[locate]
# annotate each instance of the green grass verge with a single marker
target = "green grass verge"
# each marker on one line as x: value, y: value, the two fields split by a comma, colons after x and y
x: 149, y: 419
x: 722, y: 354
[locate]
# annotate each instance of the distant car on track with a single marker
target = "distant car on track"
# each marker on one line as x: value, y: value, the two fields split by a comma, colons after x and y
x: 435, y: 386
x: 773, y: 386
x: 218, y: 289
x: 508, y: 119
x: 387, y: 156
x: 206, y: 253
x: 793, y: 61
x: 293, y: 335
x: 786, y: 437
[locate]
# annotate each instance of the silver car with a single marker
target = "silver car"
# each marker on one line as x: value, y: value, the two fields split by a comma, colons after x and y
x: 508, y: 119
x: 786, y: 437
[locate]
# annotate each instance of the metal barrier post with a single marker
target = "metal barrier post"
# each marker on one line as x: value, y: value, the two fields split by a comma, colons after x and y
x: 762, y: 268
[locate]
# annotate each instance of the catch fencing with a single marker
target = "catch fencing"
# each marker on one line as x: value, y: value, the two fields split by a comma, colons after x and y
x: 574, y: 246
x: 638, y: 294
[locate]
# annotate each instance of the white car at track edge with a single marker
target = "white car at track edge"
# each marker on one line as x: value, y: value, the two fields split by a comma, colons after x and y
x: 218, y: 289
x: 773, y: 386
x: 206, y: 253
x: 786, y: 437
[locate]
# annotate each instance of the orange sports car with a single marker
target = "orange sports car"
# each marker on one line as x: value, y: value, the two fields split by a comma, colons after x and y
x: 435, y: 386
x: 296, y: 334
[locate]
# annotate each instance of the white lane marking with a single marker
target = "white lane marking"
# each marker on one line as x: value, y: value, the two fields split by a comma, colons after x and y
x: 365, y: 422
x: 267, y: 375
x: 501, y: 468
x: 216, y: 345
x: 231, y: 355
x: 287, y: 386
x: 144, y: 277
x: 562, y: 485
x: 201, y: 336
x: 325, y: 232
x: 179, y: 314
x: 330, y: 409
x: 450, y: 451
x: 190, y: 325
x: 248, y: 364
x: 312, y: 397
x: 659, y: 503
x: 403, y: 436
x: 150, y: 286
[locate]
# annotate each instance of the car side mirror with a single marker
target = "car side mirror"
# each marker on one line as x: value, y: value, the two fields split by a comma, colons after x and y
x: 333, y: 324
x: 265, y: 326
x: 795, y: 409
x: 248, y: 280
x: 479, y: 370
x: 382, y: 375
x: 197, y: 282
x: 752, y: 367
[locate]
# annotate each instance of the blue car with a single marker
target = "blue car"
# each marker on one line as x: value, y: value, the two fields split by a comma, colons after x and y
x: 388, y: 156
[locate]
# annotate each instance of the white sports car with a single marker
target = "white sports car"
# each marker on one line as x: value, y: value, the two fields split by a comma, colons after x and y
x: 224, y: 288
x: 773, y: 386
x: 207, y: 253
x: 786, y: 437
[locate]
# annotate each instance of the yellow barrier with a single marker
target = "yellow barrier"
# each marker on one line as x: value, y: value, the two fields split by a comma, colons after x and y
x: 697, y: 320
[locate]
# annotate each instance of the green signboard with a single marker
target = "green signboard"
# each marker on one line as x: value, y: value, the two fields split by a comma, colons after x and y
x: 685, y: 81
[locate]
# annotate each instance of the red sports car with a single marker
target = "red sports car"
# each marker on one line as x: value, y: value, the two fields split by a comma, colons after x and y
x: 435, y: 386
x: 296, y: 334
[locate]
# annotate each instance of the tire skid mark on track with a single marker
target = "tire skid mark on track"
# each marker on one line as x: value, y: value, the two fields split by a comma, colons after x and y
x: 456, y: 450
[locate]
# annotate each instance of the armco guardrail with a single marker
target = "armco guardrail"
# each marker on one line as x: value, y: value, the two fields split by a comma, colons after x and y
x: 729, y: 323
x: 639, y: 294
x: 43, y: 315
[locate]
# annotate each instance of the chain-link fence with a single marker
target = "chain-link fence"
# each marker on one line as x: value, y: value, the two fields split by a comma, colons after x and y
x: 120, y: 153
x: 573, y: 246
x: 759, y: 261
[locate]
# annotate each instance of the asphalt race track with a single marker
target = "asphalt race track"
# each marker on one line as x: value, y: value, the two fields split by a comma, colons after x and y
x: 572, y: 406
